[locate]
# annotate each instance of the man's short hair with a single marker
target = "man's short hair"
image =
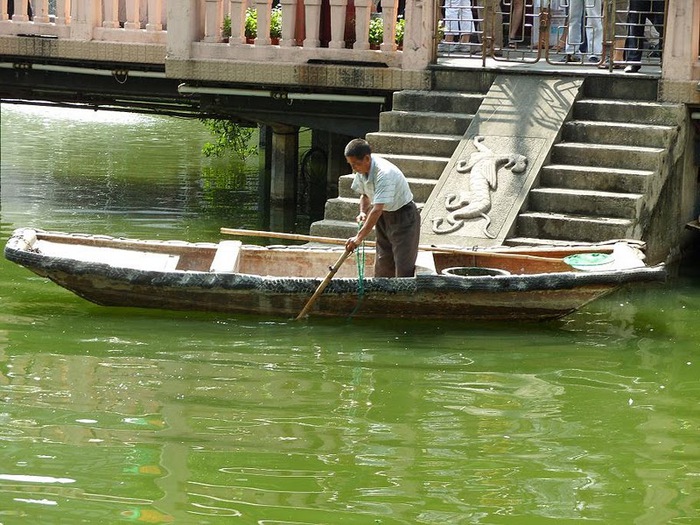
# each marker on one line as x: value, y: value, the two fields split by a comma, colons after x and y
x: 358, y: 148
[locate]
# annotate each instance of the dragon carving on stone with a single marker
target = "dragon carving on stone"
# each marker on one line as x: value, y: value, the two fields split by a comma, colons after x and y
x: 483, y: 166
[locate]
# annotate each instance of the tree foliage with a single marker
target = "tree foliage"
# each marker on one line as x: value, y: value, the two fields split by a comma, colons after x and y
x: 230, y: 138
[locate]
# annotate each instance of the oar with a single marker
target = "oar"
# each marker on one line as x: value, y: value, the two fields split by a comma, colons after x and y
x: 333, y: 240
x: 323, y: 284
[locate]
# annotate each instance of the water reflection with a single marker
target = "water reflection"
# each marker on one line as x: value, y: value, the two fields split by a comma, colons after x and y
x: 159, y: 417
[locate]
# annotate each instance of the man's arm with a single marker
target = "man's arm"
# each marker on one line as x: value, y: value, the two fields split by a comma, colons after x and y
x: 370, y: 219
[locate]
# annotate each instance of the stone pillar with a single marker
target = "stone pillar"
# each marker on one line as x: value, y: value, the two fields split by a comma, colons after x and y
x: 155, y: 15
x: 62, y: 12
x: 237, y: 10
x: 86, y: 15
x: 133, y: 17
x: 338, y: 13
x: 263, y: 7
x: 41, y: 13
x: 285, y: 147
x: 680, y: 72
x: 289, y: 22
x: 183, y: 28
x: 389, y: 10
x: 420, y: 38
x: 363, y: 11
x: 111, y: 14
x: 312, y: 14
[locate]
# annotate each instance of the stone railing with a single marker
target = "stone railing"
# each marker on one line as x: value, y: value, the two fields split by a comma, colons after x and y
x: 193, y: 29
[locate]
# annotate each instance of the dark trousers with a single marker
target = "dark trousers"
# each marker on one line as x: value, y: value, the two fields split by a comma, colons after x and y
x: 11, y: 8
x: 639, y: 11
x: 397, y: 233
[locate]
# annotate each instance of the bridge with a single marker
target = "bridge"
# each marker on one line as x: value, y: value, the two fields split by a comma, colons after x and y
x: 199, y: 58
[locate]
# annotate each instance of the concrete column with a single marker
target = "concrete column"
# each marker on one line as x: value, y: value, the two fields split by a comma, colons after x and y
x: 285, y: 147
x: 111, y: 15
x: 420, y: 41
x: 86, y: 15
x: 681, y: 42
x: 183, y: 27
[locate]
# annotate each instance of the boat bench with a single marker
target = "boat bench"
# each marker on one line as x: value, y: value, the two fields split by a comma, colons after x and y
x: 226, y: 257
x: 425, y: 264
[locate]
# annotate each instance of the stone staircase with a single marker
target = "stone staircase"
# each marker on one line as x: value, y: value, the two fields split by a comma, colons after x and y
x: 605, y: 176
x: 419, y: 135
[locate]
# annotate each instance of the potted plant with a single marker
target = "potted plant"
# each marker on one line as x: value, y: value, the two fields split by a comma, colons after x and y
x: 276, y: 24
x: 400, y: 29
x: 376, y: 32
x: 251, y: 24
x: 226, y: 28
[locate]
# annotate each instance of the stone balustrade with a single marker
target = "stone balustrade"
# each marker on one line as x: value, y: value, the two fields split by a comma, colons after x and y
x: 308, y: 32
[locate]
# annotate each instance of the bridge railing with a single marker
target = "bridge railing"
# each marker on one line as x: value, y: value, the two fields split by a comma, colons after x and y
x: 310, y: 29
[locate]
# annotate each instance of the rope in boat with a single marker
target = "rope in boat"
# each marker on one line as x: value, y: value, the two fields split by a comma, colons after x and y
x: 360, y: 261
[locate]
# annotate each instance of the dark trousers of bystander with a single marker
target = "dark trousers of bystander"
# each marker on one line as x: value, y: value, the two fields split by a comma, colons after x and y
x: 640, y: 11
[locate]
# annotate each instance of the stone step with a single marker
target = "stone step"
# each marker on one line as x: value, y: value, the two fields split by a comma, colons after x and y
x: 609, y: 156
x: 595, y: 178
x: 621, y: 88
x: 438, y: 101
x: 655, y: 113
x: 421, y: 188
x: 423, y: 166
x: 561, y: 226
x: 425, y: 122
x: 585, y: 202
x: 336, y: 228
x: 621, y: 133
x: 342, y: 208
x: 413, y: 143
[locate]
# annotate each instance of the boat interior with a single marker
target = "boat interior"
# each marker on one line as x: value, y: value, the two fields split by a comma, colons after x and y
x: 231, y: 256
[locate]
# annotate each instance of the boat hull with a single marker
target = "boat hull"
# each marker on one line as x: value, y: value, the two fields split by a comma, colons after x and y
x: 512, y: 297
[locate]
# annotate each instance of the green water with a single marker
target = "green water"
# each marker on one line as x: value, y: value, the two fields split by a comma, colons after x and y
x: 143, y: 416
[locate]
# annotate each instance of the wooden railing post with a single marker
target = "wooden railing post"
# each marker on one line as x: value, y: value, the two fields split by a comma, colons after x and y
x: 338, y: 14
x: 312, y: 16
x: 289, y: 23
x: 363, y: 11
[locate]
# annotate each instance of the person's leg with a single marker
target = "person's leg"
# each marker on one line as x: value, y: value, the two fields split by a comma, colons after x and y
x: 384, y: 257
x: 405, y: 236
x: 516, y: 19
x: 636, y: 20
x: 574, y: 34
x: 594, y: 28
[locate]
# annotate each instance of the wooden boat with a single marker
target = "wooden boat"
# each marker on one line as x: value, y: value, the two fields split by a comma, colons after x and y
x: 279, y: 280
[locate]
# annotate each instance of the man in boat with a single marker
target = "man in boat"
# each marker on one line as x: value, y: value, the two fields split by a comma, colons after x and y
x: 386, y: 202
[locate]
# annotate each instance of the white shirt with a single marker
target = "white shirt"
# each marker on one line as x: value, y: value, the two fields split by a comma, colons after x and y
x: 385, y: 184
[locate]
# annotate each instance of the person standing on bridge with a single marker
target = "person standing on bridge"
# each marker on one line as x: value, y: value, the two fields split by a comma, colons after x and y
x: 386, y: 202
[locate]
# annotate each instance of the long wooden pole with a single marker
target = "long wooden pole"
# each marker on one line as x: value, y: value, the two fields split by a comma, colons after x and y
x: 324, y: 283
x: 333, y: 240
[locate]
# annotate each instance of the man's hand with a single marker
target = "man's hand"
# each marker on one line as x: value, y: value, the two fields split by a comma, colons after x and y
x: 352, y: 243
x: 361, y: 217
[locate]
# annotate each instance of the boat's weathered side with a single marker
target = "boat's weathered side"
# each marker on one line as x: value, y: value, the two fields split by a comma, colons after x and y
x: 523, y: 296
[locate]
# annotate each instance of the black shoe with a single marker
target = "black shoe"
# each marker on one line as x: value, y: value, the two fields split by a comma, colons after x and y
x: 632, y: 68
x: 567, y: 59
